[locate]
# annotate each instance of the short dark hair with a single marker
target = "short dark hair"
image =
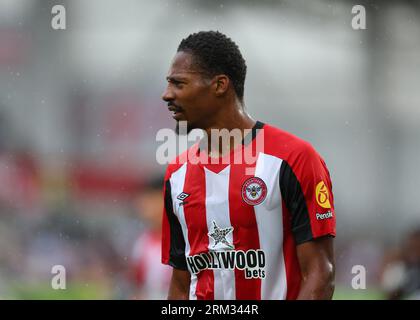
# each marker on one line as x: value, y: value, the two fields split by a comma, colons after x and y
x: 215, y: 54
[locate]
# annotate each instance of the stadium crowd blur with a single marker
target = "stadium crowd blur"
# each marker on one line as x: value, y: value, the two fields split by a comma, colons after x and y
x: 80, y: 109
x: 400, y: 274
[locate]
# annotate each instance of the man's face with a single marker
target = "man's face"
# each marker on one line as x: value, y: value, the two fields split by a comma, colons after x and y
x: 189, y: 93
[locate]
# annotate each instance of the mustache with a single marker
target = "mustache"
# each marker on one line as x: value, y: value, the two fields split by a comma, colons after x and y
x: 177, y: 107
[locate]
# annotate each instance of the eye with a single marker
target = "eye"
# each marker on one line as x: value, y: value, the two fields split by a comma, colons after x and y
x: 178, y: 84
x: 174, y: 82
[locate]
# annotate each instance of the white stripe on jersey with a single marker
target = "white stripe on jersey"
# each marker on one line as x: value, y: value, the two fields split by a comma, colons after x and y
x: 217, y: 210
x: 177, y: 181
x: 193, y: 287
x: 270, y: 229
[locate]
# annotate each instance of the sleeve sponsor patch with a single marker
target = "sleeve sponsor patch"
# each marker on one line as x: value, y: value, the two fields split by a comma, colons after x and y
x: 322, y: 195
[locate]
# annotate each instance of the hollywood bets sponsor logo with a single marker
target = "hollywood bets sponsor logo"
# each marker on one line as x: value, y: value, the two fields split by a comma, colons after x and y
x: 254, y: 191
x: 251, y: 261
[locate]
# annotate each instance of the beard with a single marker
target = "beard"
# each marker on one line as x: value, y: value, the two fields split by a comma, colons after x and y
x: 183, y: 128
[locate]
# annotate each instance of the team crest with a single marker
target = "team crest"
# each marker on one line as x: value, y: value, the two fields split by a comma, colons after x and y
x: 254, y: 191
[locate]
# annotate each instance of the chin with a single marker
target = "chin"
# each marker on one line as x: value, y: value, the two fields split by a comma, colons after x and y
x: 183, y: 127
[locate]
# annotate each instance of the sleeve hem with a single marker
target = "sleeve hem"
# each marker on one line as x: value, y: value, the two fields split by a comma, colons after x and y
x: 176, y: 262
x: 307, y: 239
x: 178, y: 266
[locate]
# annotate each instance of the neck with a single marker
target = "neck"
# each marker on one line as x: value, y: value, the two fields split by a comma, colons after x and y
x: 231, y: 118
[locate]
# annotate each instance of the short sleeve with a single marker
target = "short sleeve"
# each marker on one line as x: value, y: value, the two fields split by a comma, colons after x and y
x: 306, y: 190
x: 173, y: 243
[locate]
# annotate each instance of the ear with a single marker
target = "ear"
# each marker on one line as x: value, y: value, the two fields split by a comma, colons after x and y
x: 221, y: 84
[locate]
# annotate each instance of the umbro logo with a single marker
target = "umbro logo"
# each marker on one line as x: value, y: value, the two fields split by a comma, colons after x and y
x: 182, y: 196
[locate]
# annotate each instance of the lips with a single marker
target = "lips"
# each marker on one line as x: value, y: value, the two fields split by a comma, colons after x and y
x: 177, y: 112
x: 174, y: 109
x: 177, y: 115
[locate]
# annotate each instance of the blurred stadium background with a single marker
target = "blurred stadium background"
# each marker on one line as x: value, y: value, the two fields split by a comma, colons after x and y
x: 80, y: 109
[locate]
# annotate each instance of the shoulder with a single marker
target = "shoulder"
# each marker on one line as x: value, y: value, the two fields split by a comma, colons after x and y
x: 287, y: 146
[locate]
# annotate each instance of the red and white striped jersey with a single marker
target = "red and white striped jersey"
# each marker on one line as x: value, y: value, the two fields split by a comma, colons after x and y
x: 235, y: 226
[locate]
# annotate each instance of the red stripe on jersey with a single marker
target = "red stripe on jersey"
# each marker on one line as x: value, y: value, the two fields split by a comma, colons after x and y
x: 205, y: 285
x: 245, y: 232
x: 293, y: 274
x: 195, y: 217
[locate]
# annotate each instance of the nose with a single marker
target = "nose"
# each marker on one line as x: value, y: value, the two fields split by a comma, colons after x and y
x: 168, y: 95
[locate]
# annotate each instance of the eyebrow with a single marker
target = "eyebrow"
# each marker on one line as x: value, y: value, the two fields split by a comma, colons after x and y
x: 176, y: 79
x: 181, y: 78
